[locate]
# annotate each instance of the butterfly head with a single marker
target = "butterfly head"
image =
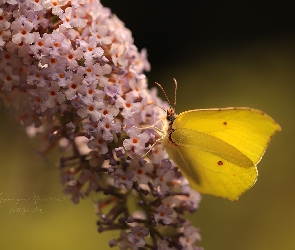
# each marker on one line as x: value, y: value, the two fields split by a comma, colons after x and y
x: 171, y: 115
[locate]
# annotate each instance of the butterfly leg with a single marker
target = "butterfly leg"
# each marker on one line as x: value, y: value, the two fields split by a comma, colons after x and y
x: 158, y: 140
x: 152, y: 126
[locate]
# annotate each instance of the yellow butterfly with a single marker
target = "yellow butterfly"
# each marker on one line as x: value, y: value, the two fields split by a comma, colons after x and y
x: 217, y: 150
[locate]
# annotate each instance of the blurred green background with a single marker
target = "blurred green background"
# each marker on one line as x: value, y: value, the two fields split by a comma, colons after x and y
x: 222, y: 55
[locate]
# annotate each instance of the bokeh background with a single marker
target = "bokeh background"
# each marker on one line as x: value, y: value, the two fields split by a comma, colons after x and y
x: 233, y: 53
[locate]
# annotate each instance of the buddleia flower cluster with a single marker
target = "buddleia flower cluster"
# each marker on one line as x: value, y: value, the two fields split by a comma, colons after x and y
x: 73, y: 78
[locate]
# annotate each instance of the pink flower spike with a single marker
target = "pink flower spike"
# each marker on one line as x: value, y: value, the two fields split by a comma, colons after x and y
x: 171, y: 201
x: 123, y: 178
x: 92, y: 110
x: 165, y: 214
x: 129, y: 106
x: 191, y: 235
x: 98, y: 143
x: 54, y: 95
x: 164, y: 177
x: 140, y: 172
x: 92, y: 178
x: 137, y: 141
x: 21, y: 30
x: 164, y: 245
x: 73, y: 78
x: 109, y: 126
x: 137, y: 235
x: 55, y: 5
x: 118, y: 53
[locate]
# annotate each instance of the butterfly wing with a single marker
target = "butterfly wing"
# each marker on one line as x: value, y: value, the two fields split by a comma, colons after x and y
x: 248, y: 130
x: 218, y: 149
x: 211, y: 165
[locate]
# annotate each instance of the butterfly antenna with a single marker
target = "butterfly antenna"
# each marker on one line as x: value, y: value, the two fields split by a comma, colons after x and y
x: 175, y: 90
x: 159, y: 107
x: 160, y: 86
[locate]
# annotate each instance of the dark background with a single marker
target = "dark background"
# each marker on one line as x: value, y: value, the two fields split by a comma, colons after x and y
x: 170, y: 30
x: 222, y: 53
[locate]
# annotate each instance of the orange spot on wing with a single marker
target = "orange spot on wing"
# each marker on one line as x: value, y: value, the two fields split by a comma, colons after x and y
x: 220, y: 163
